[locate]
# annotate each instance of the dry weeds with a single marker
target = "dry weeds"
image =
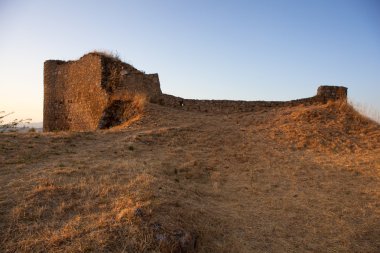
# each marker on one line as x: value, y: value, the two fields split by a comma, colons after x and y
x: 300, y: 179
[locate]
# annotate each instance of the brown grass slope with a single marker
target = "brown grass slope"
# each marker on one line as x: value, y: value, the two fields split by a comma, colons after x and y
x: 296, y: 179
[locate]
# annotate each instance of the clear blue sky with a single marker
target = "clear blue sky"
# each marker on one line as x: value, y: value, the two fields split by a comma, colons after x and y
x: 248, y: 50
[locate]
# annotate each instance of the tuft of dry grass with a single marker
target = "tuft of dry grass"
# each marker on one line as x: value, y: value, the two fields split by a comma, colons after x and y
x: 139, y: 101
x: 107, y: 53
x: 134, y: 110
x: 367, y: 111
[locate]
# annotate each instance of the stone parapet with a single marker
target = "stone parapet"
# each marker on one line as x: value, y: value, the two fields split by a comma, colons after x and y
x: 324, y: 94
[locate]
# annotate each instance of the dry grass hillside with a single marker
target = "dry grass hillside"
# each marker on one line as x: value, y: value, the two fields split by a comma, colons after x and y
x: 292, y: 179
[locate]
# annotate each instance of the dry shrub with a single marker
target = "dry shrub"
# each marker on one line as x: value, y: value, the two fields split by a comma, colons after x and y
x: 107, y: 53
x: 139, y: 101
x: 366, y: 110
x: 123, y: 110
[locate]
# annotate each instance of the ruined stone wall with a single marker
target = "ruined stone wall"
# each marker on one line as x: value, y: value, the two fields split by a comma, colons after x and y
x: 324, y: 94
x: 119, y: 77
x: 73, y: 96
x: 78, y: 93
x: 96, y: 91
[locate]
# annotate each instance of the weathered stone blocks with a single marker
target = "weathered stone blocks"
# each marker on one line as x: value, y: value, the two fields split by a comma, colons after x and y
x: 78, y: 93
x: 332, y: 92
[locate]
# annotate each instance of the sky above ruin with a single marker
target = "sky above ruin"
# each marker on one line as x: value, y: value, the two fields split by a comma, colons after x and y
x: 240, y: 50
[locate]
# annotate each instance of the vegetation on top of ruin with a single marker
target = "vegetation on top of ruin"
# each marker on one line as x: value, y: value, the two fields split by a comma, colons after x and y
x: 106, y: 53
x: 113, y: 56
x: 103, y: 53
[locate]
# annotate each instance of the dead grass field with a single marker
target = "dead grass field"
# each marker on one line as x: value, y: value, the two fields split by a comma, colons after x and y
x: 296, y: 179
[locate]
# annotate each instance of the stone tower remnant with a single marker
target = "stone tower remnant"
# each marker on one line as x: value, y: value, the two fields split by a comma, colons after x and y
x: 79, y: 95
x: 332, y: 92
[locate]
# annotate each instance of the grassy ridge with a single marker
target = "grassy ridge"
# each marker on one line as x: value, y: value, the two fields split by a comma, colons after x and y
x: 294, y: 179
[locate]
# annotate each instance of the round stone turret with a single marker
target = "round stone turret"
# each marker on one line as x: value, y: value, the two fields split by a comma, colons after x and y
x: 332, y: 92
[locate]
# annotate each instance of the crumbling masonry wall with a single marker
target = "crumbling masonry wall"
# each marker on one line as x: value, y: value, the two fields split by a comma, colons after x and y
x: 95, y: 92
x: 78, y: 95
x: 324, y: 94
x: 73, y: 96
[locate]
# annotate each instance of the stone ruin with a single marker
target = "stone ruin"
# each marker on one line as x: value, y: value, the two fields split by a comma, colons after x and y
x: 332, y: 93
x: 92, y: 92
x: 96, y: 91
